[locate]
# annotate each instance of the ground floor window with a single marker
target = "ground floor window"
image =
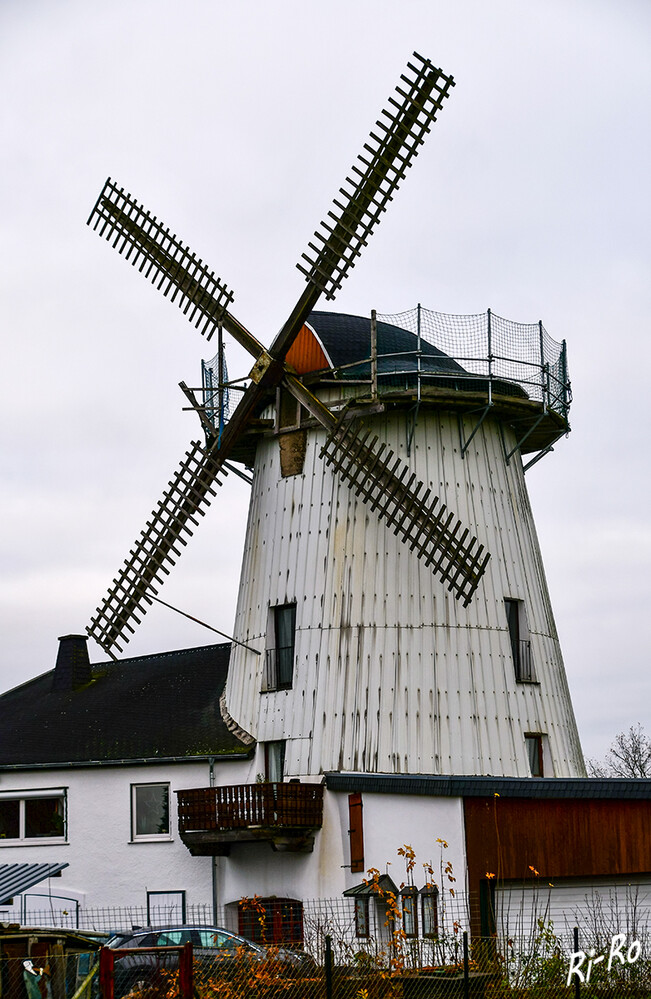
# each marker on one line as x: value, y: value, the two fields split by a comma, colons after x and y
x: 362, y: 916
x: 429, y: 911
x: 271, y: 920
x: 165, y: 908
x: 409, y: 899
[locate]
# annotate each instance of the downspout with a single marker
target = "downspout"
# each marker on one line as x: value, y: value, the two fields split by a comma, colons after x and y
x: 214, y: 866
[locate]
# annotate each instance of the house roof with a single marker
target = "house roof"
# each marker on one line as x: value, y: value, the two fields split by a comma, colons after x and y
x: 157, y: 707
x: 377, y: 886
x: 487, y: 787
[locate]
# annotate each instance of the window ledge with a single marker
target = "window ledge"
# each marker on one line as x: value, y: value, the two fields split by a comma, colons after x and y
x: 36, y: 841
x: 152, y: 839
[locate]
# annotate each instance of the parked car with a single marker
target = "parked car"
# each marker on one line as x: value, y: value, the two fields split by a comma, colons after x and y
x: 216, y: 951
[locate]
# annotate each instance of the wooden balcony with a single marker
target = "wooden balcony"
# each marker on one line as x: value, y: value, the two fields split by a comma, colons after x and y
x: 284, y: 815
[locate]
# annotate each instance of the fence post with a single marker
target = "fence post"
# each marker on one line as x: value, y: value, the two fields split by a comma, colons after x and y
x: 489, y: 339
x: 185, y: 971
x: 106, y: 976
x: 577, y: 980
x: 328, y: 966
x: 374, y: 355
x: 466, y: 978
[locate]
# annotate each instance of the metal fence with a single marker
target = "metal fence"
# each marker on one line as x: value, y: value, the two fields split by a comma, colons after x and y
x: 491, y: 350
x: 367, y: 945
x: 538, y: 969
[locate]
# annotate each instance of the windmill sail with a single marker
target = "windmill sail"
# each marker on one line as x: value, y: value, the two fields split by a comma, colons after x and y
x: 189, y: 491
x: 421, y: 520
x: 387, y: 156
x: 376, y: 175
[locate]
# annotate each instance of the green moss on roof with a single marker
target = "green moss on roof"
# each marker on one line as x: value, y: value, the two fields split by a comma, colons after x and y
x: 148, y: 707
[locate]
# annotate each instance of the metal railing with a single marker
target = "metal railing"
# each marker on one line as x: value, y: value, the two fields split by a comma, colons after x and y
x: 524, y: 670
x: 278, y: 669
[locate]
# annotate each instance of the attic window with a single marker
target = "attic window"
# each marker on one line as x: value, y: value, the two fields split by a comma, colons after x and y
x: 150, y: 812
x: 33, y: 815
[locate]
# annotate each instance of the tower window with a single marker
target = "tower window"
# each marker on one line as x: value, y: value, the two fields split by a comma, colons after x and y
x: 274, y: 761
x: 520, y: 643
x: 279, y: 660
x: 534, y: 746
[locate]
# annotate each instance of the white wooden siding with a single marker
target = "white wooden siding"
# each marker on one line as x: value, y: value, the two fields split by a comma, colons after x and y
x: 392, y: 674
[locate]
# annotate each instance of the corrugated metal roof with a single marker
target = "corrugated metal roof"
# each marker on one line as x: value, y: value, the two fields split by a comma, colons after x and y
x: 17, y: 878
x: 487, y: 787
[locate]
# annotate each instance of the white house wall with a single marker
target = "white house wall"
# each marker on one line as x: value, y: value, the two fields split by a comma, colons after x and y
x: 106, y: 868
x: 390, y: 822
x: 392, y: 674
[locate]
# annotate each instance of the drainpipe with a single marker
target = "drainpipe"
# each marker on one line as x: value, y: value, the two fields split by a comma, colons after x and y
x: 214, y: 866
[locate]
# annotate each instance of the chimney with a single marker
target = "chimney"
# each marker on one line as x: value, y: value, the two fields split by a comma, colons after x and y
x: 72, y: 668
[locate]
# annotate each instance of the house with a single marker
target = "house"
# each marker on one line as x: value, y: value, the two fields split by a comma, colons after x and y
x: 90, y: 760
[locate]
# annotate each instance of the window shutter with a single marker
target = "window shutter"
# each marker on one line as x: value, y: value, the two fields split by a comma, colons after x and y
x: 356, y: 832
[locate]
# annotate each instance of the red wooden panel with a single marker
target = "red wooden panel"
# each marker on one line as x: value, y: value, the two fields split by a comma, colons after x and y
x: 306, y: 353
x: 356, y: 832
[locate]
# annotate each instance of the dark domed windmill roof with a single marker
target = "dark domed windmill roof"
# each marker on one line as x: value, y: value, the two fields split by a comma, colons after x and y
x: 344, y: 340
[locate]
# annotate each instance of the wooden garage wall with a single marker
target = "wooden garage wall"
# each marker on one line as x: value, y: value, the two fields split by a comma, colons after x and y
x: 560, y: 837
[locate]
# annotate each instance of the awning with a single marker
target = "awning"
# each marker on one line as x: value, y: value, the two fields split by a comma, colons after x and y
x: 17, y: 878
x: 383, y: 884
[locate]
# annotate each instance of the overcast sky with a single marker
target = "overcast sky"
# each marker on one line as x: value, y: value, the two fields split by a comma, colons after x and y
x: 235, y: 123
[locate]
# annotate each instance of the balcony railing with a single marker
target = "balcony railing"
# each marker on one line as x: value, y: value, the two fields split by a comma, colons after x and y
x: 278, y: 669
x: 285, y: 815
x: 524, y: 671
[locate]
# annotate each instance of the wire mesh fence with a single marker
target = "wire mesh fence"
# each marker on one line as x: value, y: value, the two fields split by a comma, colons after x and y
x: 492, y: 352
x: 525, y: 970
x: 35, y: 972
x: 405, y: 945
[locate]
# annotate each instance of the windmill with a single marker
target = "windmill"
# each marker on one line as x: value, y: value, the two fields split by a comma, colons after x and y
x: 434, y: 532
x: 365, y: 546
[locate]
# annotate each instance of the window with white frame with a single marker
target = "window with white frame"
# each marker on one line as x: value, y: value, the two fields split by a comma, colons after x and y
x: 30, y: 816
x: 150, y: 812
x: 534, y: 743
x: 274, y: 760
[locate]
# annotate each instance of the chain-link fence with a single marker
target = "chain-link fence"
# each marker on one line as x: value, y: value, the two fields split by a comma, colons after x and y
x: 519, y: 968
x: 596, y: 940
x: 32, y: 971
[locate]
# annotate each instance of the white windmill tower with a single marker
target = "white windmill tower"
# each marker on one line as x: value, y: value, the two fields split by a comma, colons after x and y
x: 392, y: 578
